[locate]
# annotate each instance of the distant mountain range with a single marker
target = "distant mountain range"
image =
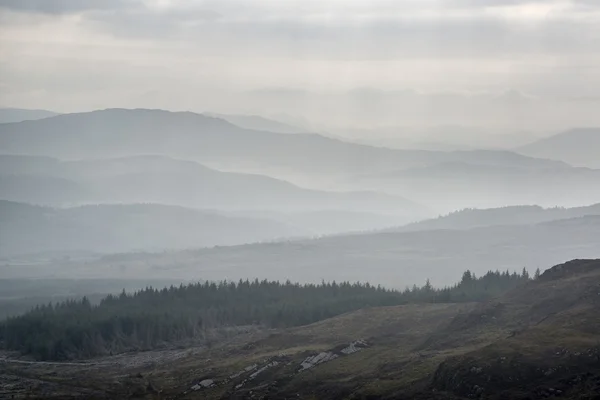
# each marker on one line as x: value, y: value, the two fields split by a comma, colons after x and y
x: 109, y: 151
x: 515, y: 215
x: 107, y: 228
x: 27, y: 229
x: 441, y: 137
x: 579, y: 147
x: 256, y: 122
x: 18, y: 114
x: 159, y: 179
x: 397, y: 259
x: 218, y: 143
x: 450, y: 186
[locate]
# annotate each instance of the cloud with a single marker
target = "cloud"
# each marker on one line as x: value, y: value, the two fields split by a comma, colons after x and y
x: 118, y: 48
x: 58, y: 7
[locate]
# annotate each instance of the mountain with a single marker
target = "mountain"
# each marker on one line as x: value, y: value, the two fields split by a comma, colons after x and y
x: 42, y: 189
x: 514, y: 215
x: 8, y: 115
x: 329, y: 222
x: 256, y: 122
x: 450, y: 186
x: 159, y: 179
x: 442, y: 137
x: 217, y: 143
x: 578, y: 147
x: 398, y: 259
x: 27, y: 229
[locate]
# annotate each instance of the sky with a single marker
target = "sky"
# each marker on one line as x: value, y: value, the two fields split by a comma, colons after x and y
x: 231, y: 55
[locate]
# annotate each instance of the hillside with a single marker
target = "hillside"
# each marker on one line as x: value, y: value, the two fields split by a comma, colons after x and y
x: 256, y: 122
x: 8, y: 115
x: 450, y: 186
x: 396, y: 259
x: 515, y: 215
x: 215, y: 142
x: 537, y: 340
x: 159, y: 179
x: 578, y: 147
x: 29, y: 229
x: 42, y: 189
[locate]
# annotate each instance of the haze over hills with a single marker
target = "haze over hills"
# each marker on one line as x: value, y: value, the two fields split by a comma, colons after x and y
x: 337, y: 200
x: 215, y: 142
x: 440, y: 138
x: 511, y: 215
x: 257, y: 122
x: 454, y: 185
x: 8, y: 115
x: 442, y: 181
x: 27, y: 229
x: 160, y: 179
x: 42, y: 189
x: 579, y: 147
x: 397, y: 259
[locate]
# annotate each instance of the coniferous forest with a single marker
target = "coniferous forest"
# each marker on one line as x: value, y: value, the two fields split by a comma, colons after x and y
x: 152, y: 318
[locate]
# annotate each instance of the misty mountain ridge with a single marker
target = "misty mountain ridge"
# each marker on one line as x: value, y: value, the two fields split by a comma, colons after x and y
x: 396, y: 258
x: 580, y: 147
x: 218, y: 143
x: 115, y: 228
x: 8, y: 115
x: 257, y: 122
x: 440, y: 137
x: 160, y: 179
x: 510, y: 215
x: 451, y: 186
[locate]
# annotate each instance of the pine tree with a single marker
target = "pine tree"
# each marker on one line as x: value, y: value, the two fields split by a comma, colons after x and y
x: 151, y: 317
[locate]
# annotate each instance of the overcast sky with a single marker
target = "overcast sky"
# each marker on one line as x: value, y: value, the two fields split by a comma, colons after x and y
x: 71, y: 55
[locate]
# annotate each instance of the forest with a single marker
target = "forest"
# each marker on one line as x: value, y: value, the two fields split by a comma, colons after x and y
x: 153, y: 318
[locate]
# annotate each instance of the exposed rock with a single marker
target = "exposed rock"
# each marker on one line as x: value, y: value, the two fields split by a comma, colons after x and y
x: 320, y: 358
x: 354, y: 347
x: 206, y: 383
x: 266, y: 367
x: 247, y: 369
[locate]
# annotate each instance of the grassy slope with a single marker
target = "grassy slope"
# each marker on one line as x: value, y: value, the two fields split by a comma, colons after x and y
x: 538, y: 341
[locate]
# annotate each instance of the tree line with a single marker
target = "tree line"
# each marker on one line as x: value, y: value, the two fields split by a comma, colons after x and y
x: 151, y: 318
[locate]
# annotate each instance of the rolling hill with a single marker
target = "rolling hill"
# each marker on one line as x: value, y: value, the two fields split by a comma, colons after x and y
x: 217, y: 143
x: 514, y: 215
x: 450, y: 186
x: 42, y: 189
x: 538, y: 340
x: 397, y: 259
x: 27, y: 229
x: 8, y: 115
x: 159, y: 179
x: 256, y: 122
x: 578, y: 147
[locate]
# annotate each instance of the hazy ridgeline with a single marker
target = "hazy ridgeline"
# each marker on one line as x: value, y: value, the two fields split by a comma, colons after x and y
x: 257, y: 199
x: 175, y: 189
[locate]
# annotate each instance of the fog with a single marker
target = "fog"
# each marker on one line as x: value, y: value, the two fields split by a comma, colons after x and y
x: 324, y: 199
x: 331, y: 129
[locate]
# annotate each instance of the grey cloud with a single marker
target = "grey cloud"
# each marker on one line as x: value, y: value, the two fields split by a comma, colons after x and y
x: 66, y: 6
x: 382, y: 38
x: 492, y: 3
